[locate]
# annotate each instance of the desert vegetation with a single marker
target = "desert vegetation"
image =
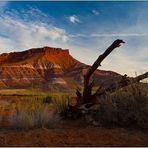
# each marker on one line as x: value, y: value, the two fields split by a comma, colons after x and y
x: 121, y: 114
x: 125, y: 107
x: 26, y: 112
x: 121, y: 104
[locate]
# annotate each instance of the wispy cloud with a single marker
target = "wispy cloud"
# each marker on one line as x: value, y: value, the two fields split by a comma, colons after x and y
x: 74, y: 19
x: 119, y: 35
x: 3, y: 3
x: 125, y: 63
x: 19, y: 34
x: 128, y: 59
x: 108, y: 35
x: 95, y: 12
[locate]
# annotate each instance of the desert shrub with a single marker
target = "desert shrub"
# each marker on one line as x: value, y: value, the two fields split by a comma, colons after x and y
x: 61, y: 105
x: 40, y: 112
x: 126, y: 107
x: 21, y: 119
x: 33, y: 114
x: 47, y: 99
x: 0, y: 119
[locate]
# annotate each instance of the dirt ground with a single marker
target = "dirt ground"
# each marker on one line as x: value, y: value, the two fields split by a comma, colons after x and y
x: 73, y: 135
x: 67, y: 133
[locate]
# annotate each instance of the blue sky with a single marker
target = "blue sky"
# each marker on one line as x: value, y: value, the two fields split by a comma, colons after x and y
x: 85, y: 28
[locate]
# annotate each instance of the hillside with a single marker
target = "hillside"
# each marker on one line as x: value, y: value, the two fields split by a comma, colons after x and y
x: 46, y: 68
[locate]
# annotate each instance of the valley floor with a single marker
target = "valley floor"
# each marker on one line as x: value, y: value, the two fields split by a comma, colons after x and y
x: 64, y: 133
x: 73, y: 135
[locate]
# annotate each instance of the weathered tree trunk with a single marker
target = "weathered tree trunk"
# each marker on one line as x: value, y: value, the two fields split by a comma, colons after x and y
x: 125, y: 81
x: 87, y: 92
x: 86, y: 100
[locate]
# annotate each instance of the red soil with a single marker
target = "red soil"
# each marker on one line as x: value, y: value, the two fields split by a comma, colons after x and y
x: 73, y: 133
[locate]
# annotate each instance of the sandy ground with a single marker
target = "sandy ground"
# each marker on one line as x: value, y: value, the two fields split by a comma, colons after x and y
x: 67, y: 133
x: 73, y: 135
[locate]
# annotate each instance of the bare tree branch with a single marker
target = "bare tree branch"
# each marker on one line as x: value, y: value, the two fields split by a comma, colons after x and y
x: 87, y: 89
x: 125, y: 81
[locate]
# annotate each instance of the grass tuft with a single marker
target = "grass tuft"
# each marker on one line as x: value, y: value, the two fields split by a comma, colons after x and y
x: 126, y: 107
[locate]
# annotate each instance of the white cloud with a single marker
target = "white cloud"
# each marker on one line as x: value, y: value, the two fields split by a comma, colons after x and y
x: 123, y: 62
x: 79, y: 35
x: 20, y: 34
x: 131, y: 57
x: 3, y: 3
x: 95, y: 12
x: 97, y: 35
x: 73, y: 19
x: 119, y: 35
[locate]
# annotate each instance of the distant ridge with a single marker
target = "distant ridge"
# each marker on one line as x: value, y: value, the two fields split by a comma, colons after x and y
x: 47, y: 68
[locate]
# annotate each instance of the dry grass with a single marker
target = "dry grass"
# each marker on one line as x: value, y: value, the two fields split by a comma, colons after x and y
x: 29, y: 115
x: 61, y: 105
x: 39, y: 112
x: 126, y: 107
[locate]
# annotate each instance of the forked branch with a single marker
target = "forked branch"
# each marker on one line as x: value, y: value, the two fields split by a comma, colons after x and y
x: 125, y: 81
x: 87, y: 89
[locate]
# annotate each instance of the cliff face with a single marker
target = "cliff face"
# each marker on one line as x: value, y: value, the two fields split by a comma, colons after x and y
x: 50, y: 68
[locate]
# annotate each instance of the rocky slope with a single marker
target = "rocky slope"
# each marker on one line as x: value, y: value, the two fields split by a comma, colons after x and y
x: 47, y: 68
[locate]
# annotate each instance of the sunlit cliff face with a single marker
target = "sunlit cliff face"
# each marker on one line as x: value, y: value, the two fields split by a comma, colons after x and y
x: 44, y: 67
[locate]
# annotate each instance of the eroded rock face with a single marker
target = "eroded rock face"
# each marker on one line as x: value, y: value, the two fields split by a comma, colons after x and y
x: 45, y: 67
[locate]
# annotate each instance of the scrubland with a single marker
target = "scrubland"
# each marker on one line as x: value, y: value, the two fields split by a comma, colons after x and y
x: 34, y: 118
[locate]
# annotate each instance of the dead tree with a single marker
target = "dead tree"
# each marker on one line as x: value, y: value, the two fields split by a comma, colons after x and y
x: 88, y: 101
x: 87, y: 92
x: 124, y: 81
x: 87, y: 95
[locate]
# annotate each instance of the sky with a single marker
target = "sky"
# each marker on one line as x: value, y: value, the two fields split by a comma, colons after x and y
x: 85, y: 28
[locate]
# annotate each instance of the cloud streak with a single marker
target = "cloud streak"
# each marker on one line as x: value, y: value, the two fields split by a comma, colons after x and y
x: 74, y: 19
x: 109, y: 35
x: 119, y: 35
x: 19, y: 34
x: 95, y: 12
x: 3, y: 3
